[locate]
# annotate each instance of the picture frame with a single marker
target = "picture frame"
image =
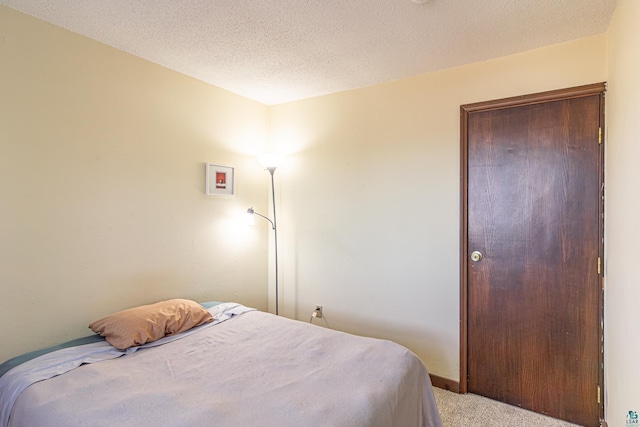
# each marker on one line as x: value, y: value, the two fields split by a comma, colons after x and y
x: 220, y: 180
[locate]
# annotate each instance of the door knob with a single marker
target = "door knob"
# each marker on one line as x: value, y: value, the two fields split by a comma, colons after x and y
x: 476, y: 256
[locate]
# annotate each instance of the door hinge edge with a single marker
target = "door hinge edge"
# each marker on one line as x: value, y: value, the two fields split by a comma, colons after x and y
x: 599, y: 265
x: 599, y: 399
x: 600, y: 135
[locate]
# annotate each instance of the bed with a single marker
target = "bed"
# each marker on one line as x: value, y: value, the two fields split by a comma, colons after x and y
x: 241, y: 368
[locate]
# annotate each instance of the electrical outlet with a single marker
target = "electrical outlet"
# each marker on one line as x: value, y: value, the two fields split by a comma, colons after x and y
x: 318, y: 311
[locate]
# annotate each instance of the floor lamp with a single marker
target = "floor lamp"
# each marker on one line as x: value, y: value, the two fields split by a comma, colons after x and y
x: 271, y: 162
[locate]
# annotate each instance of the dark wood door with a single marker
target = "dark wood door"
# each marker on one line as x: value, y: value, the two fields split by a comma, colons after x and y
x: 534, y: 212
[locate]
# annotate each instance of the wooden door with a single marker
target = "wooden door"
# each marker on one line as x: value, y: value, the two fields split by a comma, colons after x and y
x: 533, y: 169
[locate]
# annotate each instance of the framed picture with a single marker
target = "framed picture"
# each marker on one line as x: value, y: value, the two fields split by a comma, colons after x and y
x: 220, y: 180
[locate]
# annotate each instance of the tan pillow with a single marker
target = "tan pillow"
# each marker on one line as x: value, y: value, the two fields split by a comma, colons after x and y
x: 147, y: 323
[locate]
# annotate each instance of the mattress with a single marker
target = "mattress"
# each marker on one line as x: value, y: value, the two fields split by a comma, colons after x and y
x: 254, y: 369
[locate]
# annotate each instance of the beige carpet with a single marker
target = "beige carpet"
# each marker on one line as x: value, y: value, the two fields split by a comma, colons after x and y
x: 470, y: 410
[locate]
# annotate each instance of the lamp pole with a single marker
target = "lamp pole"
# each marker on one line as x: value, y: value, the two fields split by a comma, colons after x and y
x: 270, y: 162
x: 275, y: 231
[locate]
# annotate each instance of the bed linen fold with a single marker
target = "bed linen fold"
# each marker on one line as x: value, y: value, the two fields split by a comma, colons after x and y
x: 58, y: 362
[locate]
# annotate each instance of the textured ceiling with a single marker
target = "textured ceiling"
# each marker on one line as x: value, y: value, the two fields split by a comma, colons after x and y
x: 275, y: 51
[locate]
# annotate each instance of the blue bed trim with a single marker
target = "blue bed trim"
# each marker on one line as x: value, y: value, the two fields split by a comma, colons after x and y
x: 12, y: 363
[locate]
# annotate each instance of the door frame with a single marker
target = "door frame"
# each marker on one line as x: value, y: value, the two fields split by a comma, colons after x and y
x: 517, y: 101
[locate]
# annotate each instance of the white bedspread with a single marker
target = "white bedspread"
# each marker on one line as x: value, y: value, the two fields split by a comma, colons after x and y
x: 58, y: 362
x: 254, y: 370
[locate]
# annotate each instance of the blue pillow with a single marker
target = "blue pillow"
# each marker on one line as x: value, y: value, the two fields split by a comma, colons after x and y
x: 209, y: 304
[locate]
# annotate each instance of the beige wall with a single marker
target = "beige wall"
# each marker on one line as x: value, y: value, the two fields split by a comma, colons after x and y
x: 370, y: 195
x: 102, y: 182
x: 622, y: 231
x: 102, y: 200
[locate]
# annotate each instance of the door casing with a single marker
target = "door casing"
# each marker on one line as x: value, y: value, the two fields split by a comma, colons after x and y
x: 465, y: 110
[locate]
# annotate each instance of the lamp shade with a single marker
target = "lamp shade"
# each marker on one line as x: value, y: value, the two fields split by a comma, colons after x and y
x: 249, y: 218
x: 270, y: 160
